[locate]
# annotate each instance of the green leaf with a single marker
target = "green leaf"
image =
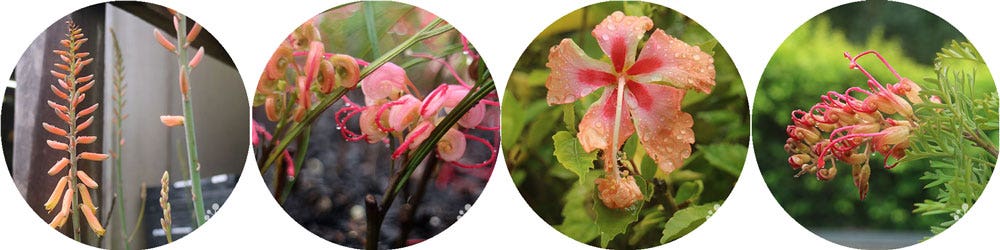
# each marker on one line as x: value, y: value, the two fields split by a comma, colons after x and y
x: 689, y: 191
x: 571, y: 155
x: 725, y: 156
x: 613, y: 222
x: 649, y: 222
x: 686, y: 220
x: 578, y: 221
x: 569, y: 117
x: 512, y: 120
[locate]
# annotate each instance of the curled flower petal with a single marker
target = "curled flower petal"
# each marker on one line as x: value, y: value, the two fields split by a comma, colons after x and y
x: 473, y: 117
x: 387, y: 82
x: 279, y: 60
x: 618, y: 193
x: 666, y: 59
x: 664, y: 130
x: 347, y: 70
x: 313, y: 60
x: 619, y: 36
x: 172, y: 120
x: 574, y: 74
x: 451, y: 147
x: 369, y: 127
x: 405, y: 113
x: 597, y: 126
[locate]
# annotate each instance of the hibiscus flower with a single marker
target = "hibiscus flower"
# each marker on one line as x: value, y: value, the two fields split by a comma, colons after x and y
x: 642, y: 94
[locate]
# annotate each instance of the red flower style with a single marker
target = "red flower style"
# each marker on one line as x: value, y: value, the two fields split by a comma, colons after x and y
x: 848, y: 129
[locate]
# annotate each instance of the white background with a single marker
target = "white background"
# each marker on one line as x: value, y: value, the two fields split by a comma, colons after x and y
x: 500, y: 30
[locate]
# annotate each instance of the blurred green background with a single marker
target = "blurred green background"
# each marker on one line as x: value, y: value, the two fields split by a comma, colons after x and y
x: 721, y: 118
x: 811, y: 62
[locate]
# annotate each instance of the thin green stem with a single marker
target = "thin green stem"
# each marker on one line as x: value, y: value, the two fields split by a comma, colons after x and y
x: 117, y: 145
x: 194, y: 167
x: 370, y: 27
x: 326, y: 101
x: 300, y: 159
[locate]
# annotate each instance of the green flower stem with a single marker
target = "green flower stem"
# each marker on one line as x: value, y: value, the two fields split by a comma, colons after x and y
x: 117, y: 147
x: 194, y: 167
x: 326, y: 101
x: 300, y: 159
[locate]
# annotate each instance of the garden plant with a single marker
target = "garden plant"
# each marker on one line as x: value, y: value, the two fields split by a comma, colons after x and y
x: 663, y: 131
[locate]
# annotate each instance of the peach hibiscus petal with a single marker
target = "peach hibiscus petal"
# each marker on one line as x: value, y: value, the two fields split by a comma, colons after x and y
x: 666, y: 59
x: 664, y: 130
x: 597, y: 126
x: 574, y: 74
x: 619, y: 36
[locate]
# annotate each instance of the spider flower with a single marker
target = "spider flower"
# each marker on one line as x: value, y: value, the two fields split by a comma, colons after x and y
x: 849, y: 127
x: 642, y: 93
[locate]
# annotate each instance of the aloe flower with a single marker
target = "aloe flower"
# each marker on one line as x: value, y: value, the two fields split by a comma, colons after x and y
x: 642, y: 94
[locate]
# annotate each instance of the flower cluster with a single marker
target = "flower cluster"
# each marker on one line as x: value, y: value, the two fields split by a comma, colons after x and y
x: 849, y: 127
x: 300, y: 62
x: 76, y: 185
x: 642, y: 94
x: 393, y: 106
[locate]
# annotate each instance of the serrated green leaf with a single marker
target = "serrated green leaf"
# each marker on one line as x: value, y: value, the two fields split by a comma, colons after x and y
x: 578, y: 222
x: 725, y: 156
x: 686, y: 220
x: 571, y: 155
x: 614, y: 222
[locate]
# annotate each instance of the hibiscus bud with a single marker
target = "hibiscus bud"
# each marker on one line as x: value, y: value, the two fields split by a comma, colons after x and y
x: 618, y: 193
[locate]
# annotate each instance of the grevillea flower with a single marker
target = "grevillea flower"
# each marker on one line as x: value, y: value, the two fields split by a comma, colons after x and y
x: 642, y: 94
x: 392, y: 108
x: 848, y: 129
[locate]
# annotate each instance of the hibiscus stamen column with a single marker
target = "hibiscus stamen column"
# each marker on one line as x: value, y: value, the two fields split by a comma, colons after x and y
x: 618, y: 122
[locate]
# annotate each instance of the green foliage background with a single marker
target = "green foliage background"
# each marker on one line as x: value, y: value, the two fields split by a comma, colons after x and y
x: 811, y: 62
x: 562, y: 199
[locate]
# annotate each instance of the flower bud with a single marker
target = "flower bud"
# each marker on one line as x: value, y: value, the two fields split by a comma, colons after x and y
x: 172, y: 120
x: 451, y: 147
x: 618, y: 193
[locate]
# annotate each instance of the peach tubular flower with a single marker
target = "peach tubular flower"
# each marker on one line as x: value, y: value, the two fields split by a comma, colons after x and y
x: 56, y: 194
x: 172, y: 120
x: 646, y: 89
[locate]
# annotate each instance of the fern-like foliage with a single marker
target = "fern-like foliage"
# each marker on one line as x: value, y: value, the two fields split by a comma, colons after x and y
x: 957, y: 134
